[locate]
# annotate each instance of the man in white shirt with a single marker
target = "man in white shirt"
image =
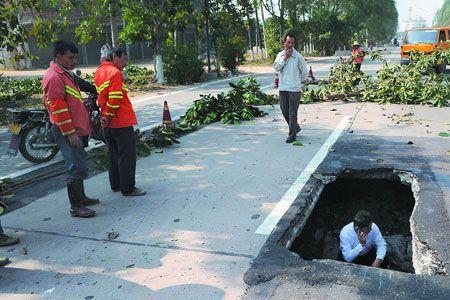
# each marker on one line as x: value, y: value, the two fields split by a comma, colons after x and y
x: 361, y: 241
x: 292, y: 70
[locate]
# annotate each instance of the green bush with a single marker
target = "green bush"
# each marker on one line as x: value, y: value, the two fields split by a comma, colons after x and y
x: 13, y: 90
x: 182, y: 64
x: 228, y: 48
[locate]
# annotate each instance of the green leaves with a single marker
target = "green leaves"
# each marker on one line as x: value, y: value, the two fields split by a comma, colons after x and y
x: 231, y: 108
x: 444, y: 134
x: 415, y: 83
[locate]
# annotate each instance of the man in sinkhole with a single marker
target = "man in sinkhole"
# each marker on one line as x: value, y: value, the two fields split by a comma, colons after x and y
x: 361, y: 241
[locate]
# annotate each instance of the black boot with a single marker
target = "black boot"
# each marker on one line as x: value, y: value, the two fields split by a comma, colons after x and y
x: 75, y: 193
x: 86, y: 200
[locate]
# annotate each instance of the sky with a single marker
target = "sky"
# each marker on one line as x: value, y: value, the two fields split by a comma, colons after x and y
x: 422, y: 8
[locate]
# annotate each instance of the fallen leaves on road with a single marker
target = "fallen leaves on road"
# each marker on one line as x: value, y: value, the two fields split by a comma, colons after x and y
x: 297, y: 143
x: 24, y: 251
x: 444, y: 134
x: 112, y: 235
x: 318, y: 176
x: 410, y: 143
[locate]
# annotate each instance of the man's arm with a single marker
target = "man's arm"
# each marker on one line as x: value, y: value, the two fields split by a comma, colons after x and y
x: 279, y: 63
x: 349, y: 253
x: 56, y: 103
x: 303, y: 69
x: 380, y: 243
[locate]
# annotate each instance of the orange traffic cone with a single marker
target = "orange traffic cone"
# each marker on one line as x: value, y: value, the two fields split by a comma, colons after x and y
x: 310, y: 74
x: 167, y: 119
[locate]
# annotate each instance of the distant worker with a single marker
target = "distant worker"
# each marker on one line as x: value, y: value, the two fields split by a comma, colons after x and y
x: 361, y: 241
x: 292, y: 71
x: 357, y: 56
x: 118, y: 119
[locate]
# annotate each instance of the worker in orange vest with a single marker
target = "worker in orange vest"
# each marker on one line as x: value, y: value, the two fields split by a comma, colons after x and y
x: 70, y: 123
x: 357, y: 56
x: 118, y: 119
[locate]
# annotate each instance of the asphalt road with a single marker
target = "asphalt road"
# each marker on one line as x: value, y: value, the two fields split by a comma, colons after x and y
x: 149, y: 108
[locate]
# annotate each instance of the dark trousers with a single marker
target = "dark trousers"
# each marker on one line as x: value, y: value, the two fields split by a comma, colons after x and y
x: 122, y: 158
x: 76, y: 163
x: 357, y: 67
x: 289, y: 102
x: 365, y: 260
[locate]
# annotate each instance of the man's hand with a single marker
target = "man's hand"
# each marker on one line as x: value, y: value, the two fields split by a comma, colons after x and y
x: 75, y: 140
x: 105, y: 121
x: 377, y: 263
x: 287, y: 54
x: 362, y: 237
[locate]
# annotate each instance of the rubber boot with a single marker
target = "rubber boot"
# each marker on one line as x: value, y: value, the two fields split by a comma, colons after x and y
x: 86, y: 200
x: 74, y: 190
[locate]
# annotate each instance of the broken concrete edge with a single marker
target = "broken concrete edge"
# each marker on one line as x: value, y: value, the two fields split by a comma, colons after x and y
x: 275, y: 259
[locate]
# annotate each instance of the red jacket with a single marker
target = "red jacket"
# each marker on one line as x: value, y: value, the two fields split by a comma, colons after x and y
x: 357, y: 57
x: 113, y: 96
x: 64, y: 103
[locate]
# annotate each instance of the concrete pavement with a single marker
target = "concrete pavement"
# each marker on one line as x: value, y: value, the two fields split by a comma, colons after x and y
x: 207, y: 197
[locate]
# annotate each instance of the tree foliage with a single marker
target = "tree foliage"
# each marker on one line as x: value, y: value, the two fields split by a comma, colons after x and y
x: 442, y: 17
x: 332, y: 23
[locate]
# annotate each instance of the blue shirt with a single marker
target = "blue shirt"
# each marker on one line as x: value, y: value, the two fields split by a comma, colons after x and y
x: 351, y: 248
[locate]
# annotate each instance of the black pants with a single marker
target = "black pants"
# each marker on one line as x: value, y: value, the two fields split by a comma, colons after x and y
x: 122, y: 158
x: 289, y: 102
x: 357, y: 67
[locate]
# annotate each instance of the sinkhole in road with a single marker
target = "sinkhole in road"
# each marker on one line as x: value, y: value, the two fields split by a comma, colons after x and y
x: 391, y: 203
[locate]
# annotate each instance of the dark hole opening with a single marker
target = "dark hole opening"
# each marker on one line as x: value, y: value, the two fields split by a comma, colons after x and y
x: 390, y: 203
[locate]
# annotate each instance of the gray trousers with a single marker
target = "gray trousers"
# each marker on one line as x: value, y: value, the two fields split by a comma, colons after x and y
x: 289, y: 102
x: 76, y: 163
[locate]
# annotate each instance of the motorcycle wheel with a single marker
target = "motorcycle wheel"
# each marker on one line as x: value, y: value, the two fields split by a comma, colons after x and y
x: 35, y: 134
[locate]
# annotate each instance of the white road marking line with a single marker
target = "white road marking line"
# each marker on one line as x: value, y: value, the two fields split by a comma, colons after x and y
x: 283, y: 205
x: 327, y: 66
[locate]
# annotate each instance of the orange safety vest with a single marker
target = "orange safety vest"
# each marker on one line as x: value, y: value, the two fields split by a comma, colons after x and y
x: 357, y: 59
x: 64, y: 103
x: 113, y: 96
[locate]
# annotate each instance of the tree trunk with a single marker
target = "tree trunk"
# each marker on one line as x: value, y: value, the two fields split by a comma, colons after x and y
x: 158, y: 55
x: 113, y: 26
x: 252, y: 57
x: 258, y: 37
x: 264, y: 29
x: 281, y: 19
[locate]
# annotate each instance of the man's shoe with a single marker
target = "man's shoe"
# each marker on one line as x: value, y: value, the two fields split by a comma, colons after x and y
x: 290, y: 139
x: 86, y: 201
x: 135, y: 192
x: 75, y: 193
x: 6, y: 240
x: 299, y: 128
x: 4, y: 261
x: 82, y: 212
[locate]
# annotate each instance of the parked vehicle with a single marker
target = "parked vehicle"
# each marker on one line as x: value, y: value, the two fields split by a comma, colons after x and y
x: 426, y: 40
x: 31, y: 134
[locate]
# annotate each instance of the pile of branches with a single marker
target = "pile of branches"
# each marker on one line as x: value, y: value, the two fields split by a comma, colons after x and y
x: 415, y: 83
x: 237, y: 105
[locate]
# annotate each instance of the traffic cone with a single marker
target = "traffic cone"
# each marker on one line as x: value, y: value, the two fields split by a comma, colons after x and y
x: 275, y: 85
x: 167, y: 119
x: 310, y: 74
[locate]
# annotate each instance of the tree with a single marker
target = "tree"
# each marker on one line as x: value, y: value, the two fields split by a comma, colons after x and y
x: 13, y: 34
x: 442, y: 17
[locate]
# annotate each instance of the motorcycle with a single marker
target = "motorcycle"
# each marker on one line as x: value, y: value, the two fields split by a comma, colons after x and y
x: 31, y: 134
